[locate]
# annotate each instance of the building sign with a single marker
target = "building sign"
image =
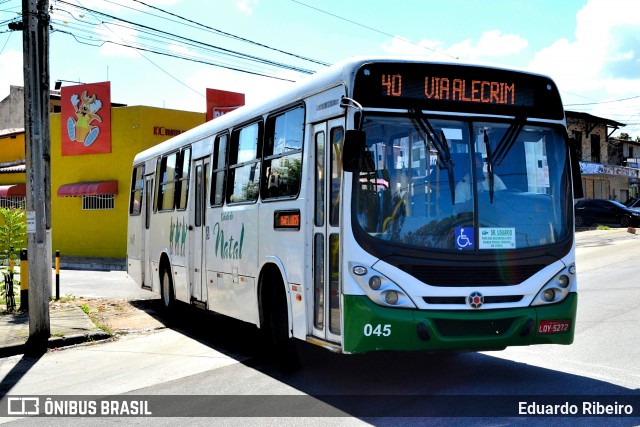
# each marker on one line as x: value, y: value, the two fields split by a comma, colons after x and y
x: 587, y: 168
x: 220, y: 102
x: 161, y: 130
x: 86, y: 119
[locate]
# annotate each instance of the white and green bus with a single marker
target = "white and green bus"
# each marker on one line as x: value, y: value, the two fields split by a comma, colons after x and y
x: 381, y: 204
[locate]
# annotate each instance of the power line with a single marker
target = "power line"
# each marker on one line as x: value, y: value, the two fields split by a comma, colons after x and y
x: 174, y: 37
x: 371, y: 28
x: 5, y: 43
x: 153, y: 63
x: 227, y: 34
x: 604, y: 102
x: 76, y: 37
x: 80, y: 29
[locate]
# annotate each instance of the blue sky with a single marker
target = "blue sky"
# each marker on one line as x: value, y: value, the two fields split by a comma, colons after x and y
x: 591, y: 48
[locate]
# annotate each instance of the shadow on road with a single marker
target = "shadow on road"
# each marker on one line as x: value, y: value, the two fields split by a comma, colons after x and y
x: 381, y: 387
x: 27, y: 362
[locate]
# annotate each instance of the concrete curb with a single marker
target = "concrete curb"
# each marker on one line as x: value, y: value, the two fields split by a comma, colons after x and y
x: 55, y: 342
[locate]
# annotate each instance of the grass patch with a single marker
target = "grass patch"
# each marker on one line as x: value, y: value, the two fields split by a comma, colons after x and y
x: 104, y: 327
x: 66, y: 298
x: 603, y: 227
x: 85, y: 308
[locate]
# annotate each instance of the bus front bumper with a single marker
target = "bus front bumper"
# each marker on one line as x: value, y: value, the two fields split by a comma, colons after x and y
x: 370, y: 327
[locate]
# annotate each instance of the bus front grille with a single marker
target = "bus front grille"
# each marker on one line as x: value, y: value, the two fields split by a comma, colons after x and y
x: 458, y: 276
x: 495, y: 299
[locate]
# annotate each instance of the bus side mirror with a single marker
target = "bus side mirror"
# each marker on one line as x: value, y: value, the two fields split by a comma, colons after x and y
x: 355, y: 157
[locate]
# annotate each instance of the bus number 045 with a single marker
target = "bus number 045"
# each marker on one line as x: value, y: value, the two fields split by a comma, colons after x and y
x: 378, y: 330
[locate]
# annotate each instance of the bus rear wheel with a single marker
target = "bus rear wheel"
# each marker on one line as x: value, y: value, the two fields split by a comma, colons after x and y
x: 168, y: 297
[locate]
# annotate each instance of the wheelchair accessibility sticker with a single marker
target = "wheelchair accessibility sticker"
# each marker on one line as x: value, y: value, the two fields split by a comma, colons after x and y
x: 465, y: 238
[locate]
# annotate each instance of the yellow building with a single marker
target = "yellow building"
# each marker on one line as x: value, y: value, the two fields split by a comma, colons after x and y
x: 12, y: 156
x: 12, y: 168
x: 90, y: 193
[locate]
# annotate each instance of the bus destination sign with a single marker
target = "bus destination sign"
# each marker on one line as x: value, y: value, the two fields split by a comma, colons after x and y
x: 456, y: 88
x: 463, y: 90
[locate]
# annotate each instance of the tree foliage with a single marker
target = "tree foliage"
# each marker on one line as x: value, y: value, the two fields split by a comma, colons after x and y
x: 12, y: 233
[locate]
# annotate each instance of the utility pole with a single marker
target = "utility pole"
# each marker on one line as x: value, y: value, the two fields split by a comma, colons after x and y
x: 35, y: 15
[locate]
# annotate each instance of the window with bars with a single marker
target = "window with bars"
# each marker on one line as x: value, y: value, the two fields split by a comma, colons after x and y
x: 98, y: 203
x: 13, y: 202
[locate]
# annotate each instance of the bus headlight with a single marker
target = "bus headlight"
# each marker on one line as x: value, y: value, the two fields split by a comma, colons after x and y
x: 563, y: 280
x: 379, y: 288
x: 391, y: 297
x: 549, y: 295
x: 557, y: 288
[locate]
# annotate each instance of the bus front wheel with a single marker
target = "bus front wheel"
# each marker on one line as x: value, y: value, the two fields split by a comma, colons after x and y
x: 276, y: 326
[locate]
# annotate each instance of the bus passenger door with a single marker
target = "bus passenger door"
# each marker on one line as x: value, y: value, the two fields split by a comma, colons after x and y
x: 328, y: 138
x: 145, y: 256
x: 198, y: 283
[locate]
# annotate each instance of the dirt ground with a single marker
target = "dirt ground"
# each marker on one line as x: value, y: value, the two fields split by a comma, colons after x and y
x: 116, y: 316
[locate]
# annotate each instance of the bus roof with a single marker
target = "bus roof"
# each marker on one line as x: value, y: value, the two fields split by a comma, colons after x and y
x: 341, y: 73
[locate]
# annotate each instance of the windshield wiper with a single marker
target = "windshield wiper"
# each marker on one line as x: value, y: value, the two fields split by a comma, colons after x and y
x: 489, y: 165
x: 510, y: 136
x: 503, y: 148
x: 444, y: 155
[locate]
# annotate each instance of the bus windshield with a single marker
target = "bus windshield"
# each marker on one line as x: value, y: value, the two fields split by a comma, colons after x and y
x: 463, y: 184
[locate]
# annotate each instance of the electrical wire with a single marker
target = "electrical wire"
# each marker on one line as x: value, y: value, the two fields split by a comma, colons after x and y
x: 5, y: 43
x: 165, y: 35
x: 103, y: 42
x: 604, y: 102
x: 236, y: 37
x: 372, y: 29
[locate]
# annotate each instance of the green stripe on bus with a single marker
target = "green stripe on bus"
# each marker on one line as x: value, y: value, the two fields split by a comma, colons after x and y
x: 370, y: 327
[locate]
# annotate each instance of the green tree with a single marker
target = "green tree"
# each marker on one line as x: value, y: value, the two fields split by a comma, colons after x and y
x: 12, y: 233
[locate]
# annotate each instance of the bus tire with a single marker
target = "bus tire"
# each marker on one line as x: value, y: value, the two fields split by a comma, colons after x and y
x: 276, y: 326
x: 166, y: 291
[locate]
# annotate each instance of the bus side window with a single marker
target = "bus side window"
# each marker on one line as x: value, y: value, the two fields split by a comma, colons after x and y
x: 219, y: 170
x: 182, y: 179
x: 283, y: 155
x: 244, y: 164
x: 167, y: 182
x: 137, y: 186
x: 337, y: 138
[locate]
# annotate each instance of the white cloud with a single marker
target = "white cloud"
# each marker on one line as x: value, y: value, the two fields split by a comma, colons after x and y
x: 256, y: 89
x: 125, y: 35
x: 605, y: 53
x: 246, y: 6
x: 403, y: 46
x: 181, y: 50
x: 492, y: 44
x: 11, y: 71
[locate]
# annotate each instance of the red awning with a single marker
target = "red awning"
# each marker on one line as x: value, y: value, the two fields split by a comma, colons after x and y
x: 14, y: 190
x: 88, y: 189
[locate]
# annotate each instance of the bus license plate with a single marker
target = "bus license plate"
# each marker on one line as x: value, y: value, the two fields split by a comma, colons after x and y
x: 547, y: 327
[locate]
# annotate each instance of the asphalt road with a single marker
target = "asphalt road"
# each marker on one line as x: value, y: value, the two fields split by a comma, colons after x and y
x: 200, y: 356
x: 100, y: 284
